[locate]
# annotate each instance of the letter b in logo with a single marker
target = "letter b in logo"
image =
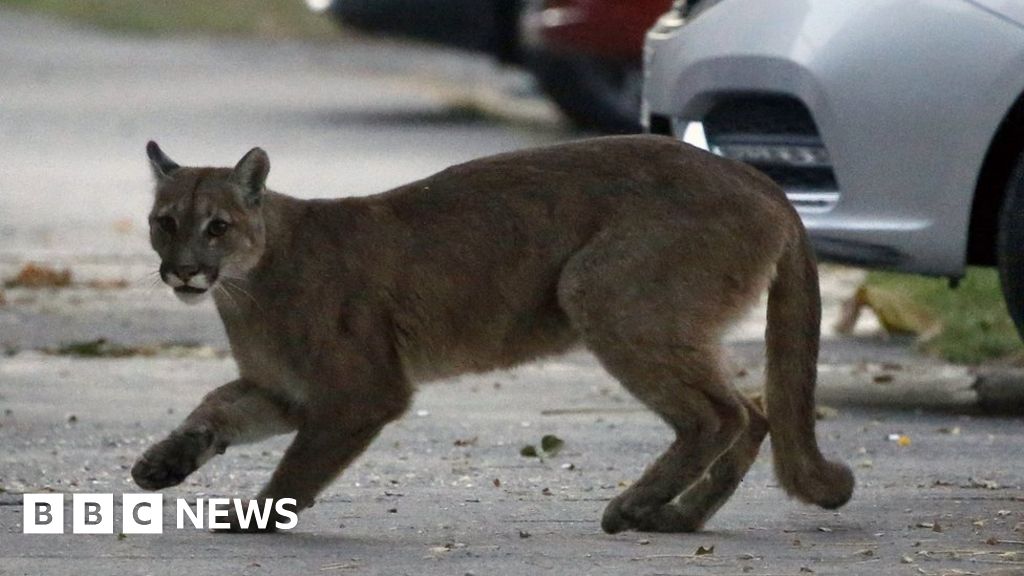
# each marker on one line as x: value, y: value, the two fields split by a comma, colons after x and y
x: 92, y: 514
x: 44, y: 514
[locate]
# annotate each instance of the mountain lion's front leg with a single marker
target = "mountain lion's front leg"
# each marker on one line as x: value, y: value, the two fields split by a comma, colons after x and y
x: 334, y: 432
x: 236, y: 413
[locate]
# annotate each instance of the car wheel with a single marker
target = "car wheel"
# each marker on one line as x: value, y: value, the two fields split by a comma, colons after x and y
x: 594, y: 93
x: 1010, y: 246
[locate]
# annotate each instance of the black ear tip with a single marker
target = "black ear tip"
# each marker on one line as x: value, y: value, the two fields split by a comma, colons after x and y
x: 152, y: 148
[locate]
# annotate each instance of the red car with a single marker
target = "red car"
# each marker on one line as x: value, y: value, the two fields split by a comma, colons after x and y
x: 587, y: 55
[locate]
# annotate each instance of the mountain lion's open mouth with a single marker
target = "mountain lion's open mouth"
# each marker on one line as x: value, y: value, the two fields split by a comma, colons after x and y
x: 189, y: 290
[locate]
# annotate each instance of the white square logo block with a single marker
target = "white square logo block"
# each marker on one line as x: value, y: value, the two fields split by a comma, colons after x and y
x: 43, y: 514
x: 92, y: 514
x: 142, y: 514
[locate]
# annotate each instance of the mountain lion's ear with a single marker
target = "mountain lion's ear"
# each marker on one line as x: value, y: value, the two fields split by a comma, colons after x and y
x: 162, y: 166
x: 251, y: 174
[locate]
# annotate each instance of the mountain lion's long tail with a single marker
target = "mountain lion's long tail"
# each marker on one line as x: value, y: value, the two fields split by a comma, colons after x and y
x: 794, y: 317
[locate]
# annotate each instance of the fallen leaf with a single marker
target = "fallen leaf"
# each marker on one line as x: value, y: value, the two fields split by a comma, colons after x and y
x: 702, y: 551
x: 529, y: 451
x: 981, y: 483
x: 551, y: 444
x: 39, y: 276
x: 897, y: 313
x: 822, y: 412
x: 441, y: 549
x: 497, y: 483
x: 883, y: 378
x: 524, y: 534
x: 124, y: 226
x: 868, y: 552
x: 904, y: 441
x: 116, y: 284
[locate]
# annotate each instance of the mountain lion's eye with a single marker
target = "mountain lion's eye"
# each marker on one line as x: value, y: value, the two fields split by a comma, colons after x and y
x: 167, y: 224
x: 217, y: 228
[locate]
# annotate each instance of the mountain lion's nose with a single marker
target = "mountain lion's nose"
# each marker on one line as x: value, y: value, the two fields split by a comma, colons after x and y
x: 186, y: 272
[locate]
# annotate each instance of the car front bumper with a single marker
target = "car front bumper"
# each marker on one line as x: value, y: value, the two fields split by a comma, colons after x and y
x: 898, y: 103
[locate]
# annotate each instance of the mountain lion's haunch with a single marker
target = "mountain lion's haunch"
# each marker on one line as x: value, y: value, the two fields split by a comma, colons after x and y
x: 642, y: 249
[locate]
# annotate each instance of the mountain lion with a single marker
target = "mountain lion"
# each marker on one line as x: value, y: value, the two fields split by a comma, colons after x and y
x: 641, y: 248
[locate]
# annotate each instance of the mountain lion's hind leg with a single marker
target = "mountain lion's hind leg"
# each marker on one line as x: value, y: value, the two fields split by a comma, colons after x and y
x: 651, y: 307
x: 235, y: 413
x: 703, y: 499
x: 707, y: 420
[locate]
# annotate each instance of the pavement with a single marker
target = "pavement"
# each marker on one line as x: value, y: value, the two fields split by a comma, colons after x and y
x: 445, y: 490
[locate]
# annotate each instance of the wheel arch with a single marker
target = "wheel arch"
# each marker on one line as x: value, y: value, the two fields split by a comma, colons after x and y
x: 1003, y: 153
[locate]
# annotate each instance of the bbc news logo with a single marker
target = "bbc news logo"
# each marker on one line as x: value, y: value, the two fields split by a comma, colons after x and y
x: 144, y: 513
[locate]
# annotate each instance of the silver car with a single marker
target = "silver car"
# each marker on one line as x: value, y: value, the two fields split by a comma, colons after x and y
x: 896, y: 127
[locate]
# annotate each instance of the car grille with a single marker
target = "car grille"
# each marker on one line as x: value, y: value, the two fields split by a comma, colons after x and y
x: 777, y: 135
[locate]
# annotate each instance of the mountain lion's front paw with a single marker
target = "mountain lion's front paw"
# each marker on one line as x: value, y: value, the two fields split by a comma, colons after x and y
x: 171, y: 460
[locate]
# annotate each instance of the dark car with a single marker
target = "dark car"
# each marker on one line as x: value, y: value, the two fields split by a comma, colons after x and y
x: 588, y: 56
x: 596, y: 88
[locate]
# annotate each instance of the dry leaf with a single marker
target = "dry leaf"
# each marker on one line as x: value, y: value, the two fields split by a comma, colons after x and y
x: 124, y: 226
x: 702, y: 551
x: 39, y: 276
x: 822, y: 412
x: 551, y: 444
x: 897, y: 313
x: 118, y: 284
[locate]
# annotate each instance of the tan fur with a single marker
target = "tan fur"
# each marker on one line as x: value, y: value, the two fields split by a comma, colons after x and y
x: 640, y: 248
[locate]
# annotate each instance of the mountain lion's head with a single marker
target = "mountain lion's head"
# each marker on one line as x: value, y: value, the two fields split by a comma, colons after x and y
x: 206, y: 223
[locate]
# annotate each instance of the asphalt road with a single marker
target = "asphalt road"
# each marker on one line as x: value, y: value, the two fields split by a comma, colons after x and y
x: 445, y: 490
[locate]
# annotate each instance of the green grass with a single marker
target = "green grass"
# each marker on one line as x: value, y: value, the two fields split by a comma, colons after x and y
x: 259, y: 18
x: 976, y: 325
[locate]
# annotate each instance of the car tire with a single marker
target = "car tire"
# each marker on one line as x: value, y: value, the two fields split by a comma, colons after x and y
x: 1010, y: 246
x: 594, y: 93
